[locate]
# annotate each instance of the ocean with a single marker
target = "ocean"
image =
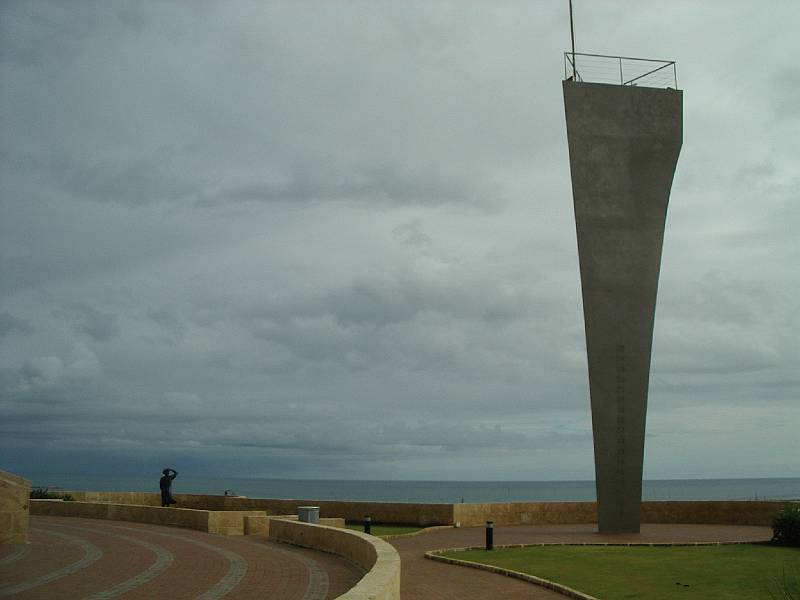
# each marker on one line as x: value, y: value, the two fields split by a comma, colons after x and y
x: 426, y: 491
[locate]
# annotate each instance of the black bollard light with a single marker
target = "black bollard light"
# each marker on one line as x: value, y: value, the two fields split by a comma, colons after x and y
x: 489, y: 535
x: 367, y: 524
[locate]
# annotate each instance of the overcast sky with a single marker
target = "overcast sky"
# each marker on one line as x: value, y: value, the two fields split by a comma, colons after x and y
x: 336, y: 239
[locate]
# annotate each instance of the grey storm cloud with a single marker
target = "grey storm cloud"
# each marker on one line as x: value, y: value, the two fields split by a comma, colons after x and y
x: 396, y: 297
x: 455, y: 322
x: 138, y: 182
x: 787, y: 87
x: 169, y: 320
x: 336, y: 239
x: 9, y: 324
x: 98, y: 325
x: 376, y: 184
x: 411, y: 233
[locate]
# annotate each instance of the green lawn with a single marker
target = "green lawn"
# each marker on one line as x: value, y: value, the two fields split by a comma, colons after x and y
x: 381, y: 530
x: 613, y: 572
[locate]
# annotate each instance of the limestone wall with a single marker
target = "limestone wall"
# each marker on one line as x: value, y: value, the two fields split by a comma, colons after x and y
x: 14, y: 508
x: 139, y: 498
x: 714, y: 512
x: 525, y: 513
x: 211, y: 521
x: 381, y: 512
x: 717, y: 512
x: 260, y: 525
x: 378, y: 558
x: 502, y: 513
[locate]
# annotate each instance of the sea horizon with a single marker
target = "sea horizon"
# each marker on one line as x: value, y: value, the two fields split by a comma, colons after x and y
x: 425, y: 490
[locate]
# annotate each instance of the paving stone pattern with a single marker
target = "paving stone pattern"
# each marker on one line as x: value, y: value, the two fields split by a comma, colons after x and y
x: 93, y: 559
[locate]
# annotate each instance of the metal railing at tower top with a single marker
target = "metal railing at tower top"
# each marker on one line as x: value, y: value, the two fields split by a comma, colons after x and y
x: 620, y: 70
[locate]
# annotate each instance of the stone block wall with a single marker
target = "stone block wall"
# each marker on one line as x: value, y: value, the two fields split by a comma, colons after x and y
x: 525, y: 513
x: 718, y: 512
x: 258, y: 525
x: 423, y: 514
x: 14, y: 508
x: 138, y: 498
x: 711, y: 512
x: 229, y: 522
x: 211, y: 521
x: 407, y: 513
x: 377, y: 557
x: 466, y: 515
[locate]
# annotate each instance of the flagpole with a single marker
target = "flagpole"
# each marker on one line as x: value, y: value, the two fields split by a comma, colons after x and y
x: 572, y: 35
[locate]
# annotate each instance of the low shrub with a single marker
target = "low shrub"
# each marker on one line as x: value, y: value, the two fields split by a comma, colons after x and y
x: 786, y: 526
x: 46, y: 494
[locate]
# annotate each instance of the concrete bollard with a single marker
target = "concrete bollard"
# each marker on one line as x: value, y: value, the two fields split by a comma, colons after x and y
x: 308, y: 514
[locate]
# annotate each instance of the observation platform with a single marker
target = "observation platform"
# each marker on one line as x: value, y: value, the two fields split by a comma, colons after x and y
x: 620, y: 70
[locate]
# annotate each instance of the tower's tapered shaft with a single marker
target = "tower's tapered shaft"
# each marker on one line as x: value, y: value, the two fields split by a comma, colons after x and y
x: 624, y: 143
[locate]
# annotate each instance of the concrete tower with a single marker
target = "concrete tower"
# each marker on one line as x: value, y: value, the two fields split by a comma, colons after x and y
x: 624, y: 142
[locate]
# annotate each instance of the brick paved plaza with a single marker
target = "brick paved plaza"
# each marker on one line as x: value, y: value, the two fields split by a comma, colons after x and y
x: 85, y: 558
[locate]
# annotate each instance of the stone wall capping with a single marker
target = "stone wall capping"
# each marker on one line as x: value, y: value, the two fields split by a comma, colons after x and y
x: 378, y: 558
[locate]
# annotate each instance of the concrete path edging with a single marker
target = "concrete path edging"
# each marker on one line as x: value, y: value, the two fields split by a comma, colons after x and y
x: 540, y: 581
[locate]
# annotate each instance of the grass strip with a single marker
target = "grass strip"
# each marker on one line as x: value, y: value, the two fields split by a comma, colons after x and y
x: 752, y: 571
x: 382, y: 530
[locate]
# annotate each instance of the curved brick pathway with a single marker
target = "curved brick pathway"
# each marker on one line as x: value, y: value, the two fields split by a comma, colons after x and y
x: 93, y: 559
x: 424, y: 579
x: 97, y: 560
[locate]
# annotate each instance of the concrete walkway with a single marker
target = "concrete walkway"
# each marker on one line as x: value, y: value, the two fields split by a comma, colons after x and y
x: 424, y: 579
x: 93, y: 559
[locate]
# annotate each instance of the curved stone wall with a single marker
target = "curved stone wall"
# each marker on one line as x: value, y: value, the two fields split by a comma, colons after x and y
x: 379, y: 559
x: 212, y: 521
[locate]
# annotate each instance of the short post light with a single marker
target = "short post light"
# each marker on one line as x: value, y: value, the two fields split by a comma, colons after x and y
x: 367, y: 524
x: 490, y: 535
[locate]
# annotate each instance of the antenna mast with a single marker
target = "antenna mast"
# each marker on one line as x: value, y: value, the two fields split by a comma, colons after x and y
x: 572, y: 35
